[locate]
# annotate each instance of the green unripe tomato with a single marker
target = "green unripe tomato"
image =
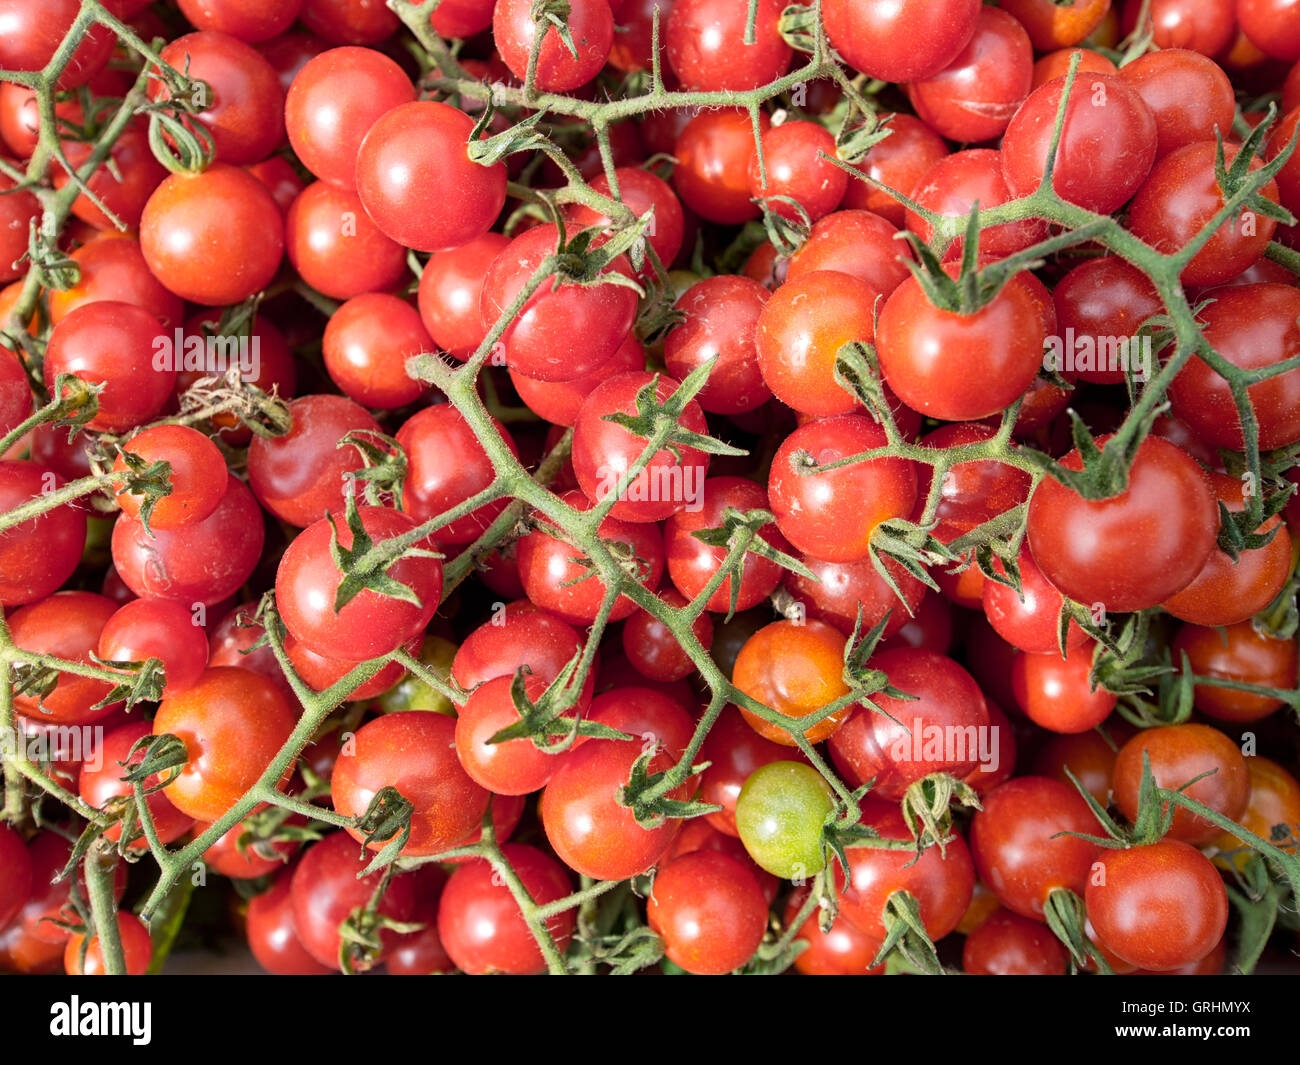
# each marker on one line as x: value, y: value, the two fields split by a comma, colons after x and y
x: 780, y: 813
x: 411, y: 693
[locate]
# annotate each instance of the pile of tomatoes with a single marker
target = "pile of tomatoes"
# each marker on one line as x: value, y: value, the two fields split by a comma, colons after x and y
x: 635, y: 522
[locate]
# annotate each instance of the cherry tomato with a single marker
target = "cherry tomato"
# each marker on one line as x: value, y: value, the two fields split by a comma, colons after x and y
x: 331, y: 105
x: 16, y: 879
x: 794, y: 167
x: 831, y: 514
x: 515, y: 638
x: 450, y: 291
x: 1006, y: 944
x: 896, y: 42
x: 157, y: 628
x: 641, y: 191
x: 1057, y: 692
x: 1053, y: 25
x: 705, y: 42
x: 349, y: 21
x: 854, y: 242
x: 711, y: 175
x: 515, y: 767
x: 249, y: 20
x: 1029, y: 620
x: 1158, y: 906
x: 651, y: 647
x: 591, y: 27
x: 796, y: 670
x: 479, y: 921
x: 102, y: 783
x: 944, y: 729
x: 233, y: 722
x: 1204, y: 26
x: 899, y: 162
x: 272, y: 937
x: 214, y: 237
x: 137, y: 949
x: 710, y: 911
x: 1166, y: 515
x: 1272, y: 25
x: 779, y: 815
x: 197, y: 475
x: 336, y: 248
x: 366, y: 344
x: 33, y: 33
x: 587, y: 826
x: 1237, y: 653
x: 1272, y: 812
x: 1099, y: 305
x: 417, y: 182
x: 37, y: 555
x: 1057, y: 64
x: 66, y: 625
x: 1188, y: 93
x: 646, y: 714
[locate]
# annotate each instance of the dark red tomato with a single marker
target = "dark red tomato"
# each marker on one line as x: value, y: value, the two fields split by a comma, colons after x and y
x: 1179, y: 754
x: 1006, y: 944
x: 320, y: 672
x: 446, y: 466
x: 1288, y: 178
x: 197, y: 475
x: 1021, y: 848
x: 325, y: 889
x: 1002, y: 750
x: 899, y: 162
x: 693, y: 563
x: 559, y: 402
x: 944, y: 729
x: 37, y: 555
x: 1057, y: 692
x: 240, y: 856
x: 548, y: 570
x: 123, y: 183
x: 591, y: 27
x: 33, y: 33
x: 838, y: 591
x: 204, y: 562
x: 796, y: 670
x: 517, y: 636
x: 417, y: 182
x: 450, y: 290
x: 416, y: 753
x: 843, y: 951
x: 900, y: 42
x: 1205, y: 26
x: 590, y: 830
x: 1178, y: 200
x: 1237, y: 653
x: 1188, y: 93
x: 249, y: 20
x: 20, y: 119
x: 831, y: 514
x: 1099, y: 305
x: 941, y: 883
x: 698, y: 834
x: 516, y: 767
x: 18, y: 210
x: 721, y: 322
x: 974, y: 96
x: 112, y: 267
x: 272, y: 937
x: 734, y: 750
x: 1158, y: 906
x: 419, y: 954
x: 1167, y: 516
x: 561, y: 333
x: 960, y: 367
x: 370, y: 624
x: 336, y: 248
x: 15, y: 874
x: 604, y: 451
x: 1106, y: 149
x: 480, y: 923
x: 245, y: 104
x: 1029, y: 620
x: 349, y: 21
x: 972, y: 492
x: 649, y: 716
x: 366, y: 344
x: 711, y: 175
x: 1088, y: 755
x: 137, y: 950
x: 101, y: 782
x: 654, y: 651
x: 1057, y: 25
x: 792, y: 157
x: 301, y: 475
x: 1057, y: 64
x: 1273, y: 26
x: 157, y: 628
x: 66, y: 625
x: 214, y: 237
x: 641, y: 191
x: 233, y: 722
x: 954, y: 185
x: 1253, y: 327
x: 800, y: 332
x: 710, y: 911
x: 507, y: 812
x: 854, y: 242
x: 121, y: 346
x: 333, y: 102
x: 707, y: 49
x: 1226, y: 591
